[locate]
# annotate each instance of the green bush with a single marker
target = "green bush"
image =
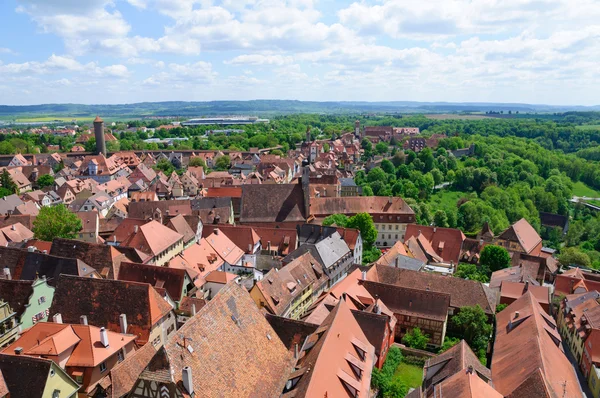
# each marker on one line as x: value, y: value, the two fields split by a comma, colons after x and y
x: 384, y: 381
x: 414, y: 360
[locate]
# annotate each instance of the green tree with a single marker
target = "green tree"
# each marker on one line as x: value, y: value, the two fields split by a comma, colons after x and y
x: 471, y: 272
x: 165, y: 166
x: 223, y: 162
x: 7, y: 182
x: 572, y: 256
x: 381, y: 147
x: 367, y: 149
x: 388, y: 167
x: 416, y: 339
x: 326, y: 147
x: 440, y: 219
x: 341, y: 220
x: 449, y: 342
x: 472, y: 324
x: 364, y: 223
x: 398, y: 158
x: 56, y: 222
x: 494, y: 258
x: 6, y: 148
x: 384, y: 380
x: 197, y: 162
x: 45, y: 180
x: 377, y: 174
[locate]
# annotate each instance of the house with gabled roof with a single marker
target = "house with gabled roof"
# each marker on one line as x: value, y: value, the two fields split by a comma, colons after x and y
x: 43, y: 377
x: 336, y: 360
x: 85, y: 352
x: 289, y: 291
x: 260, y: 368
x: 520, y: 237
x: 528, y: 359
x: 104, y: 301
x: 29, y: 300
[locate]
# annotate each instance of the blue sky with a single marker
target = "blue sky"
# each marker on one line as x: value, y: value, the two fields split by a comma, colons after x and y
x: 121, y: 51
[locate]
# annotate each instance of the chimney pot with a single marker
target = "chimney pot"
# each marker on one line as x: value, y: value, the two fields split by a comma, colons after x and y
x: 123, y: 323
x: 7, y: 274
x: 516, y: 314
x: 57, y: 318
x: 18, y: 350
x: 104, y: 337
x: 135, y: 229
x: 364, y: 275
x: 193, y: 309
x: 83, y: 320
x: 186, y: 377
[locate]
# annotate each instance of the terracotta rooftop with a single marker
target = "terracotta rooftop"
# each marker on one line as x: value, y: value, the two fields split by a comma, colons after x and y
x: 199, y: 259
x: 377, y: 206
x: 528, y: 359
x: 332, y: 357
x: 220, y: 277
x: 151, y: 237
x: 445, y: 242
x: 104, y: 259
x: 261, y: 364
x: 525, y: 234
x: 56, y: 339
x: 124, y: 375
x: 103, y: 301
x: 515, y: 290
x: 243, y: 236
x: 465, y: 384
x: 291, y: 332
x: 225, y: 247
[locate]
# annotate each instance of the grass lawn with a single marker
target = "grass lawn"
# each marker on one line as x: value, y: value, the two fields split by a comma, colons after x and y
x: 445, y: 199
x: 411, y: 375
x: 580, y: 189
x: 594, y: 202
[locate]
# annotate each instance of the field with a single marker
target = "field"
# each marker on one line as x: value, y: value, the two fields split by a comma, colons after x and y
x: 452, y: 116
x: 48, y: 119
x: 588, y: 127
x: 411, y: 375
x: 580, y: 189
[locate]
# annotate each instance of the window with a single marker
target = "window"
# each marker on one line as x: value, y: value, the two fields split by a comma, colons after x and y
x: 56, y: 394
x: 103, y: 367
x: 120, y: 356
x: 396, y: 227
x: 42, y: 299
x: 156, y: 341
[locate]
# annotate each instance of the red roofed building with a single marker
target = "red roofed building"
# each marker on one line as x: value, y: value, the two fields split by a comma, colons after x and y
x: 446, y: 243
x: 511, y: 291
x: 85, y: 352
x: 520, y: 237
x: 576, y: 281
x: 528, y: 360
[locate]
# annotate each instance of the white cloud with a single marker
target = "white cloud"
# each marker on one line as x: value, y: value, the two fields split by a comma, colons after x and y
x: 59, y: 64
x: 261, y: 59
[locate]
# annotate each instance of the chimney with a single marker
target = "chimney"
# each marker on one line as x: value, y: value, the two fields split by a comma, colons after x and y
x: 13, y: 227
x: 57, y: 318
x: 7, y: 274
x: 193, y: 309
x: 249, y: 247
x: 296, y: 351
x: 434, y: 229
x: 526, y: 286
x: 18, y: 350
x: 104, y: 337
x: 269, y: 246
x: 123, y: 323
x: 516, y: 315
x: 216, y: 231
x: 364, y: 275
x: 99, y: 134
x: 390, y: 200
x: 83, y: 320
x: 186, y: 376
x: 135, y: 229
x: 470, y: 369
x: 31, y: 249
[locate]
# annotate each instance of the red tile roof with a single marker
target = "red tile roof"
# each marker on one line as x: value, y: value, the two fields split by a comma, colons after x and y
x: 445, y: 242
x: 528, y: 360
x: 525, y: 234
x: 171, y: 279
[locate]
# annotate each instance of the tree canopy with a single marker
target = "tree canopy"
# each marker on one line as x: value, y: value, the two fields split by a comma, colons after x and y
x: 56, y: 222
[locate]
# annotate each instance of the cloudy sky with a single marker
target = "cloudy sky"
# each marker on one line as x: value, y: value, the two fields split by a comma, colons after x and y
x: 120, y: 51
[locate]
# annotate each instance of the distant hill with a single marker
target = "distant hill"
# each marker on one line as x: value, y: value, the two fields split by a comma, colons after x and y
x: 266, y: 107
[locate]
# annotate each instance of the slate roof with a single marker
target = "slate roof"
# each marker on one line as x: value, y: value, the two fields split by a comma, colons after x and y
x: 528, y: 360
x: 18, y: 369
x: 252, y: 362
x: 171, y: 279
x: 455, y: 360
x: 291, y: 332
x: 103, y: 301
x: 411, y: 302
x: 104, y: 259
x: 272, y: 203
x: 16, y: 294
x: 462, y: 292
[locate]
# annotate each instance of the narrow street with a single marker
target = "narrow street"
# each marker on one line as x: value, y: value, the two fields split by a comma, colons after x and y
x: 582, y: 381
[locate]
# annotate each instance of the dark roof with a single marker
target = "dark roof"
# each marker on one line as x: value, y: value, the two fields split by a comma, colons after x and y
x: 97, y: 256
x: 312, y: 233
x: 412, y: 302
x: 553, y: 220
x: 347, y: 182
x: 211, y: 202
x: 104, y: 300
x: 272, y: 203
x: 291, y: 332
x: 16, y: 294
x: 462, y: 292
x: 452, y: 361
x: 172, y: 279
x: 373, y: 326
x: 25, y: 376
x: 25, y: 265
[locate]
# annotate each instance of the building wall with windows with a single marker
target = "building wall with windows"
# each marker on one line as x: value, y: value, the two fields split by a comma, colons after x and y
x: 389, y: 233
x: 39, y: 304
